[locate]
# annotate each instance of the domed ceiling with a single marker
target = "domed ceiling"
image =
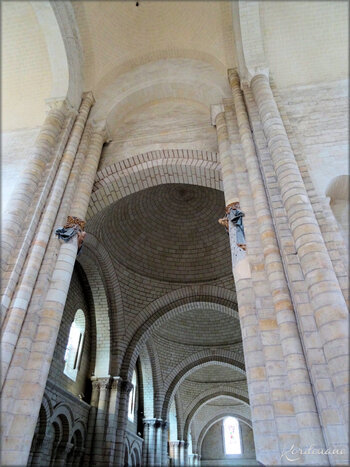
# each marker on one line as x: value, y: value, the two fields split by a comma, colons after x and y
x: 169, y: 233
x: 210, y: 329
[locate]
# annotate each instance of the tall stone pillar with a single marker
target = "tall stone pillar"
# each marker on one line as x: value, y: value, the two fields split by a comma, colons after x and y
x: 23, y: 404
x: 267, y: 445
x: 112, y: 417
x: 92, y: 419
x: 149, y: 445
x: 24, y: 289
x: 174, y: 453
x: 125, y: 388
x: 165, y: 457
x: 330, y: 310
x: 98, y: 448
x: 21, y: 199
x: 301, y: 388
x: 158, y: 443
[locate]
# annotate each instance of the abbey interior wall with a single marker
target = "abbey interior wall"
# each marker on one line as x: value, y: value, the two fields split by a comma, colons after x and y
x: 77, y: 299
x: 213, y: 447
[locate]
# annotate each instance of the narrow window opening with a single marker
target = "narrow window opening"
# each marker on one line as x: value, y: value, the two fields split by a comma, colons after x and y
x: 132, y: 398
x: 74, y: 349
x: 232, y: 438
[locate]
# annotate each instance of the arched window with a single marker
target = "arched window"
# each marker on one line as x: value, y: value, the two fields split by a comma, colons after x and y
x: 72, y: 356
x: 232, y: 438
x: 132, y: 398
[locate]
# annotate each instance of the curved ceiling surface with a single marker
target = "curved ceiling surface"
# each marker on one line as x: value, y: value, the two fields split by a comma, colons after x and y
x: 169, y: 232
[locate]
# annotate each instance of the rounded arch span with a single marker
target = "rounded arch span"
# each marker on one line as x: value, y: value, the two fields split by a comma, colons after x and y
x: 189, y: 166
x: 149, y: 379
x: 57, y: 21
x: 63, y: 415
x: 106, y: 293
x: 79, y: 429
x: 207, y: 396
x: 194, y: 362
x: 168, y: 306
x: 168, y: 77
x: 230, y: 413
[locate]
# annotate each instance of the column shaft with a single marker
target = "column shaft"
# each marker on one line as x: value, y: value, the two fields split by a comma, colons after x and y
x: 16, y: 445
x: 98, y: 448
x: 20, y: 303
x: 125, y: 389
x: 330, y: 310
x: 112, y: 417
x: 23, y: 194
x: 258, y: 383
x: 92, y: 420
x: 301, y: 389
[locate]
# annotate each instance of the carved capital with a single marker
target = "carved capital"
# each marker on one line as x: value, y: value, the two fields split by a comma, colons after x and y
x: 252, y: 72
x: 215, y: 110
x: 150, y: 421
x: 89, y: 96
x: 101, y: 128
x: 126, y: 386
x: 233, y: 76
x: 101, y: 383
x: 115, y: 382
x: 59, y: 103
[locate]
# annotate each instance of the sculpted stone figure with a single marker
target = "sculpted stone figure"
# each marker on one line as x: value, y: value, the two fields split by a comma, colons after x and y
x: 235, y: 215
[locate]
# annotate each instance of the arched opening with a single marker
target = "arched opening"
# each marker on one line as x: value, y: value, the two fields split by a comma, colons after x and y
x: 132, y: 398
x: 74, y: 348
x: 232, y: 436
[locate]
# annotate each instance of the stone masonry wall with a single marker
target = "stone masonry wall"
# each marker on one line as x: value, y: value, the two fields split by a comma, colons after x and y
x: 76, y: 300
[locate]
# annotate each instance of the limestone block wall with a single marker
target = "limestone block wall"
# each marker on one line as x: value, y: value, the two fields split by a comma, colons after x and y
x: 213, y: 443
x: 174, y: 124
x: 77, y: 299
x: 15, y: 147
x: 318, y: 116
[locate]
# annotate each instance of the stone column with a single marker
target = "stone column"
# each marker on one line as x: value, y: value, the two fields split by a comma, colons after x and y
x: 330, y: 310
x: 267, y: 445
x: 165, y: 457
x: 186, y: 453
x: 182, y: 452
x: 174, y: 453
x: 14, y: 217
x: 149, y: 445
x: 125, y: 388
x: 19, y: 305
x: 98, y: 447
x: 240, y: 265
x: 112, y: 417
x: 301, y: 388
x: 92, y: 419
x: 158, y: 443
x: 17, y: 435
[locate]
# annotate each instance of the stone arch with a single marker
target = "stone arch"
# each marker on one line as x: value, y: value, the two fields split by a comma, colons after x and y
x: 146, y: 382
x: 338, y: 194
x: 170, y: 305
x: 61, y: 32
x: 65, y: 413
x: 181, y: 77
x: 218, y: 417
x: 62, y: 421
x: 41, y: 431
x: 106, y: 294
x: 208, y: 396
x: 194, y: 362
x: 151, y: 169
x: 156, y: 370
x: 137, y: 456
